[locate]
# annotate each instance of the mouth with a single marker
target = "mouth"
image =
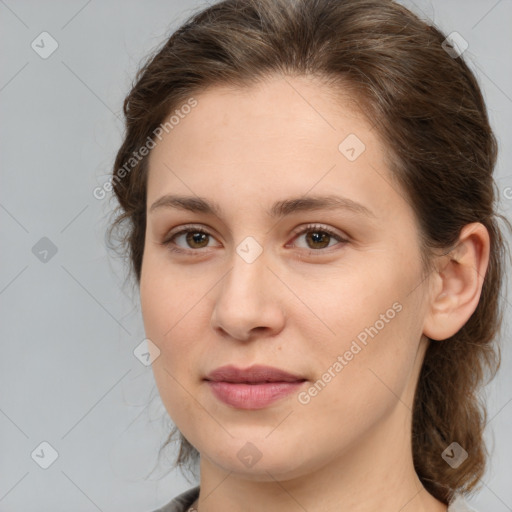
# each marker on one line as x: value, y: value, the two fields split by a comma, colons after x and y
x: 257, y: 374
x: 252, y: 388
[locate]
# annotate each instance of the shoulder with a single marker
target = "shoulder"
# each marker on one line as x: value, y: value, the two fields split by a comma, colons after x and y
x: 181, y: 502
x: 459, y: 504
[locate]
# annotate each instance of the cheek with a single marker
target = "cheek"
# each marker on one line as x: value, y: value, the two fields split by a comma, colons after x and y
x: 352, y: 297
x: 164, y: 300
x: 359, y: 384
x: 173, y: 315
x: 168, y: 325
x: 161, y: 311
x: 370, y: 334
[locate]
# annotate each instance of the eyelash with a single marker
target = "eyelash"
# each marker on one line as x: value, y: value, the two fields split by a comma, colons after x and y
x: 170, y: 245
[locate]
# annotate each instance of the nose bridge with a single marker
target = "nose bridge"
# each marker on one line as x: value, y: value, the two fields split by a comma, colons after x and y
x: 245, y: 299
x: 247, y: 277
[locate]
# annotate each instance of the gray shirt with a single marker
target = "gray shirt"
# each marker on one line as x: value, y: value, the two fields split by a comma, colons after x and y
x: 182, y: 502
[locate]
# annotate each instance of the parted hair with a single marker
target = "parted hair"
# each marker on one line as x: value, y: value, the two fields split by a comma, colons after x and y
x: 428, y: 109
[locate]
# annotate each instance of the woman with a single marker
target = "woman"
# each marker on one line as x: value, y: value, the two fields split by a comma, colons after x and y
x: 308, y: 195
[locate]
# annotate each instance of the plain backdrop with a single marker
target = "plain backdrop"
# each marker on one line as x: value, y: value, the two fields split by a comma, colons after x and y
x: 69, y: 325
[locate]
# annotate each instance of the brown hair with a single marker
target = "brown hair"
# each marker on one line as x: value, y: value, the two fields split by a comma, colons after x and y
x: 431, y: 116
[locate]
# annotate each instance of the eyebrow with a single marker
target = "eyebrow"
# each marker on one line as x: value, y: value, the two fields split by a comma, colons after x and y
x: 278, y: 210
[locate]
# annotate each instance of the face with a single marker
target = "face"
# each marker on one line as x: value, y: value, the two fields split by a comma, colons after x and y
x: 307, y: 261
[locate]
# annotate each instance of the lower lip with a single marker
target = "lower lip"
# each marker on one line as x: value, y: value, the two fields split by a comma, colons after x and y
x: 252, y: 396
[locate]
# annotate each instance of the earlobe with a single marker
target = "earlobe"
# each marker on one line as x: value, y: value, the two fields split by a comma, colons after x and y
x: 458, y: 283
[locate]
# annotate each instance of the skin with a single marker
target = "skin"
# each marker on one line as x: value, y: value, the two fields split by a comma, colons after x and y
x: 299, y: 305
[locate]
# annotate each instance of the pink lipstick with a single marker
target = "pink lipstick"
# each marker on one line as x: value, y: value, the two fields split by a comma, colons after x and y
x: 252, y: 388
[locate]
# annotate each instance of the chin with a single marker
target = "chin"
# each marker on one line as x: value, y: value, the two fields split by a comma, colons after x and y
x: 259, y: 460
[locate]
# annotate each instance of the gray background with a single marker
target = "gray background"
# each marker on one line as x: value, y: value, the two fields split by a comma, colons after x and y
x: 69, y: 325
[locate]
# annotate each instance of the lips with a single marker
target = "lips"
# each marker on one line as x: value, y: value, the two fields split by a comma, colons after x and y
x: 253, y: 388
x: 257, y: 374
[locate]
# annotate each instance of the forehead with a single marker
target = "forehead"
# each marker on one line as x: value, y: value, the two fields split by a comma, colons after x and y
x: 293, y: 109
x: 281, y: 137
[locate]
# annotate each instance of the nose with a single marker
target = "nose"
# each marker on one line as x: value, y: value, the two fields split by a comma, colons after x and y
x: 248, y: 303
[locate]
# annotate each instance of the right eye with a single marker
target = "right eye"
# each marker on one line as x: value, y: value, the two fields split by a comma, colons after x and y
x: 194, y: 238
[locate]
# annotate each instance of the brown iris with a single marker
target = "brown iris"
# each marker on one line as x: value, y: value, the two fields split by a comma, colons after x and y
x: 197, y: 237
x: 318, y: 237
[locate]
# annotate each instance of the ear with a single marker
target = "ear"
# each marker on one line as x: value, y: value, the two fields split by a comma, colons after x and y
x: 457, y: 283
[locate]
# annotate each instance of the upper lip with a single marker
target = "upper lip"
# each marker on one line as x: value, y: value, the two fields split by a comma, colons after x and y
x: 256, y: 373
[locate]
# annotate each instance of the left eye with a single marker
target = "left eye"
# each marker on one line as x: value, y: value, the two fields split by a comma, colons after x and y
x: 318, y: 237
